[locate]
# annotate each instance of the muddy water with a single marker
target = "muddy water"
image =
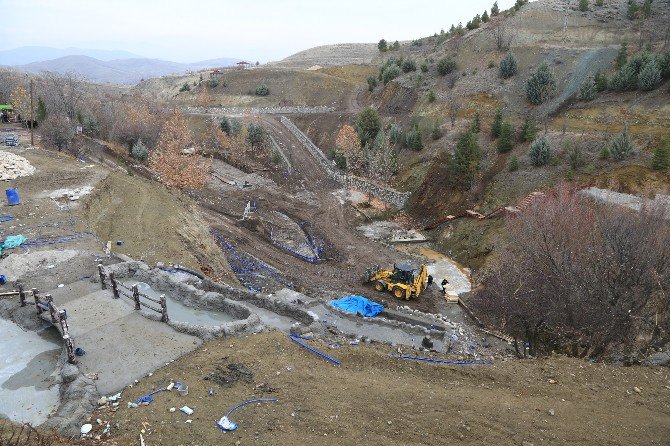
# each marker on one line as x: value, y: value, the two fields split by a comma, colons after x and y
x: 27, y: 369
x: 181, y: 313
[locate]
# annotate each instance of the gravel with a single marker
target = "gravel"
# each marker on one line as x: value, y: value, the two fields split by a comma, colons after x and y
x: 15, y: 266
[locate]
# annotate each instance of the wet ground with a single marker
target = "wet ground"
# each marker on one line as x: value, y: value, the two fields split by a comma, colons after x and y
x: 29, y: 360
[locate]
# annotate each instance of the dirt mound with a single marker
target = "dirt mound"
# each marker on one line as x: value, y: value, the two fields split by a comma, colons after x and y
x: 16, y: 266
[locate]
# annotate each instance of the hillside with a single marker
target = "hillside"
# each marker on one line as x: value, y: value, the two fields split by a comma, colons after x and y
x: 331, y: 55
x: 29, y: 54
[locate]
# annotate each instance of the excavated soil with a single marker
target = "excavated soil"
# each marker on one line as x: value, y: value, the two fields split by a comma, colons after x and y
x: 374, y: 399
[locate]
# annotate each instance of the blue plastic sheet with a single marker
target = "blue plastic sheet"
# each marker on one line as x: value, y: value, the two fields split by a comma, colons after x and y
x: 358, y: 305
x: 13, y: 241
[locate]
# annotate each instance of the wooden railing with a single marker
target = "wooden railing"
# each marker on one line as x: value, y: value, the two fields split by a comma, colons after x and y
x: 133, y: 293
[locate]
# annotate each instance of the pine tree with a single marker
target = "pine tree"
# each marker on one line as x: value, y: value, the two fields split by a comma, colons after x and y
x: 495, y: 10
x: 588, y: 90
x: 497, y: 123
x: 139, y: 151
x: 650, y: 76
x: 506, y: 135
x: 485, y: 17
x: 541, y: 85
x: 508, y: 66
x: 224, y: 125
x: 621, y: 146
x: 41, y: 113
x: 540, y: 152
x: 528, y: 131
x: 661, y: 160
x: 465, y: 163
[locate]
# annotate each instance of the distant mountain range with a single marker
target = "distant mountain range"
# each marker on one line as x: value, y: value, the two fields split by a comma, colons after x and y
x: 117, y: 67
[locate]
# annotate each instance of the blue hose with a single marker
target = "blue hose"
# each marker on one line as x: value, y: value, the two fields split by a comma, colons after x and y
x: 442, y: 361
x: 5, y: 218
x: 295, y: 339
x: 260, y: 400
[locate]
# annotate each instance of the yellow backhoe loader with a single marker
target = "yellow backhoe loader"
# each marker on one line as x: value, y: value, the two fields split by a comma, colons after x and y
x: 404, y: 281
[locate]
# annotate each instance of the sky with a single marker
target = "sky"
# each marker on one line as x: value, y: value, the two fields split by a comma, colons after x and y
x: 262, y: 30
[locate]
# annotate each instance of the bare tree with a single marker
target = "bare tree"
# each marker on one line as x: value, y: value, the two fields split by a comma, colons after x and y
x: 502, y: 35
x: 580, y: 278
x: 63, y: 93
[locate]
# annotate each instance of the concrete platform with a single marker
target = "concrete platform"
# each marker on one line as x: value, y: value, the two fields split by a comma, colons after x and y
x: 121, y: 345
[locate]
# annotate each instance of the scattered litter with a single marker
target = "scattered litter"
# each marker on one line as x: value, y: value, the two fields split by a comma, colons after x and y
x: 187, y: 410
x: 133, y: 405
x: 297, y: 341
x: 211, y: 391
x: 5, y: 218
x: 61, y: 285
x: 148, y: 398
x: 637, y: 390
x: 114, y: 397
x: 119, y: 242
x: 3, y: 279
x: 141, y: 440
x: 69, y: 194
x: 13, y: 241
x: 442, y: 361
x: 226, y: 424
x: 188, y: 421
x: 357, y: 305
x: 86, y: 428
x: 169, y: 387
x: 79, y: 351
x: 106, y: 429
x: 172, y: 409
x: 182, y: 388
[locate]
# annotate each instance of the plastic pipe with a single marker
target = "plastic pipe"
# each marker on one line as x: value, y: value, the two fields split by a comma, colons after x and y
x: 442, y: 361
x: 334, y: 361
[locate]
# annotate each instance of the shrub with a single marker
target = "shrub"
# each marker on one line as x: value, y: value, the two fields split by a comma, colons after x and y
x: 575, y: 156
x: 661, y: 159
x: 540, y: 152
x: 395, y: 134
x: 528, y: 131
x: 436, y: 133
x: 372, y: 83
x: 390, y: 73
x: 508, y: 66
x: 621, y: 146
x: 368, y: 125
x: 583, y: 5
x: 431, y: 96
x: 605, y: 153
x: 395, y: 46
x: 650, y: 76
x: 601, y: 82
x: 496, y: 127
x: 424, y: 67
x: 600, y: 2
x: 624, y: 80
x: 519, y: 4
x: 139, y: 151
x: 541, y: 85
x: 495, y: 10
x: 476, y: 124
x: 382, y: 46
x: 588, y: 90
x: 485, y: 17
x: 224, y: 125
x: 255, y: 134
x: 465, y: 163
x: 213, y: 83
x: 262, y: 90
x: 513, y: 164
x: 506, y: 136
x: 235, y: 127
x: 633, y: 10
x: 185, y: 87
x: 664, y: 64
x: 491, y: 64
x: 446, y: 65
x: 408, y: 65
x: 622, y: 56
x: 413, y: 138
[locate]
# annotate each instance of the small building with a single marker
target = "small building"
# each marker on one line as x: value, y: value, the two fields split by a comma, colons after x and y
x: 243, y: 65
x: 6, y: 113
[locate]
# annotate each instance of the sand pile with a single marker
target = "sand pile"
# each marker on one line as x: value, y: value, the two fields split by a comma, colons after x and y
x: 14, y: 166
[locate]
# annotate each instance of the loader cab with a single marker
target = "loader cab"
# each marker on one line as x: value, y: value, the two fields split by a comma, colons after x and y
x: 403, y: 273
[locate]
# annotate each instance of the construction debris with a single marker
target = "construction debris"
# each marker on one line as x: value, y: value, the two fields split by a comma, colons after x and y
x: 13, y: 166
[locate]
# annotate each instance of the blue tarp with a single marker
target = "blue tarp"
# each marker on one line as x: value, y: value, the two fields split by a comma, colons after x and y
x: 358, y: 305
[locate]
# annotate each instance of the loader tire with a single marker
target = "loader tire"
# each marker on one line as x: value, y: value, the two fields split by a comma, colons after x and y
x: 399, y: 292
x: 380, y: 286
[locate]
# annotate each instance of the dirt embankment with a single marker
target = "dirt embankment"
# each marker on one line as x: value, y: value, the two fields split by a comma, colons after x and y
x: 154, y: 224
x: 374, y: 399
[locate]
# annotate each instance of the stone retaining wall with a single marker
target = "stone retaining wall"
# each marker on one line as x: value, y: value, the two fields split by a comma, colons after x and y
x: 280, y: 110
x: 385, y: 194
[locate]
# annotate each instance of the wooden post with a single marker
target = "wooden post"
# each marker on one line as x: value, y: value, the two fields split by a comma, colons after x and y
x: 22, y: 295
x: 101, y: 271
x: 136, y: 296
x: 115, y: 289
x: 62, y: 318
x: 69, y: 346
x: 52, y: 310
x: 36, y: 296
x: 165, y: 317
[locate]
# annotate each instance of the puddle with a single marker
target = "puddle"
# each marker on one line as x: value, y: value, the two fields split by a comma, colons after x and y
x: 29, y: 358
x: 181, y: 313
